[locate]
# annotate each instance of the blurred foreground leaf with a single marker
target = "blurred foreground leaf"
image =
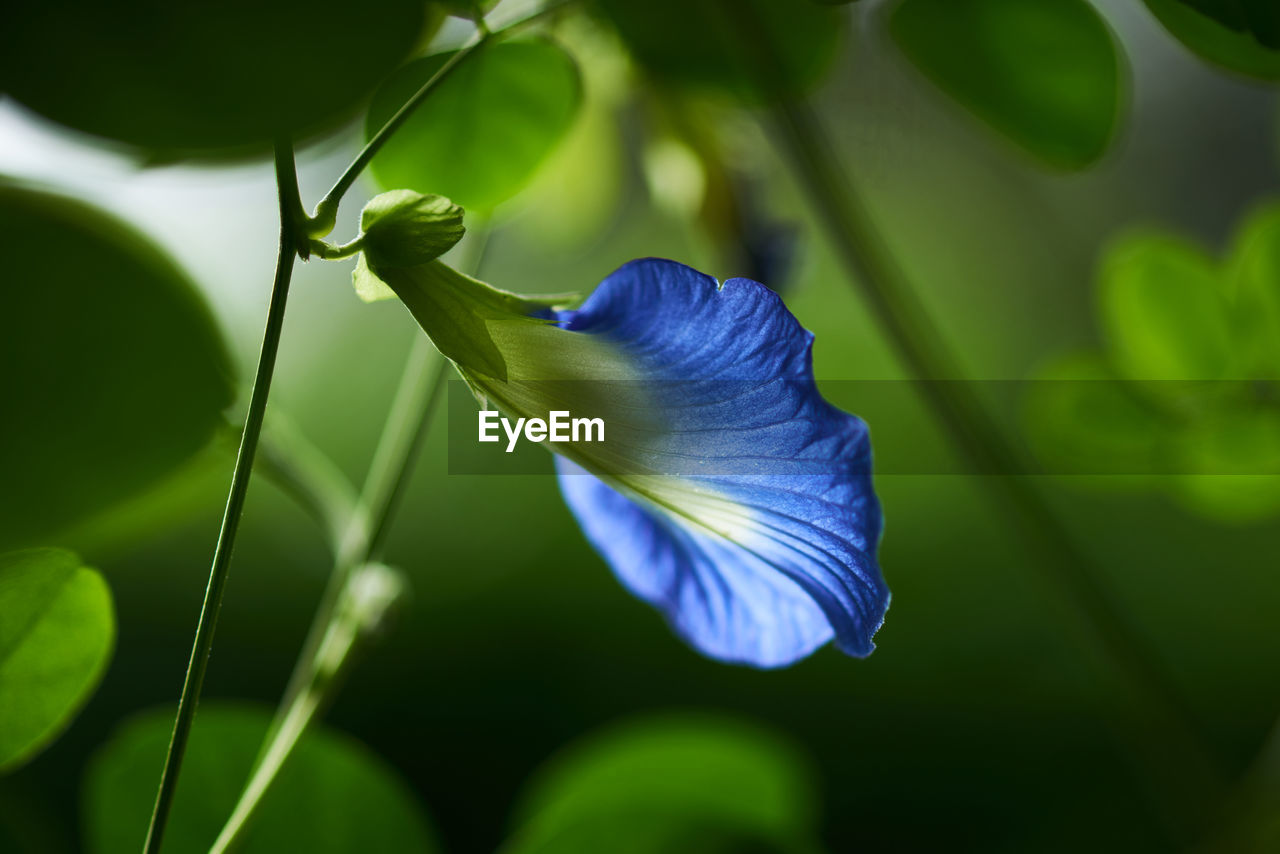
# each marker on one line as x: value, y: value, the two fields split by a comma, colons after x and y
x: 57, y: 628
x: 1045, y: 74
x: 1259, y: 18
x: 750, y: 50
x: 334, y: 795
x: 1241, y: 35
x: 687, y: 783
x: 481, y: 135
x: 201, y: 77
x: 114, y: 371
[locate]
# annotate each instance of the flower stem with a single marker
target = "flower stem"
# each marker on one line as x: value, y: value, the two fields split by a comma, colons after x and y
x: 287, y: 190
x: 368, y: 593
x: 327, y: 650
x: 335, y: 631
x: 1184, y: 768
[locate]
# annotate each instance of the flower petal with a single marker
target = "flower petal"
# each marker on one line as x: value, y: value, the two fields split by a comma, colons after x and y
x: 766, y: 548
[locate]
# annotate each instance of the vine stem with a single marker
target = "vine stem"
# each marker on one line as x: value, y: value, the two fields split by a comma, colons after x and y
x: 334, y: 633
x: 1184, y: 775
x: 1185, y: 770
x: 287, y: 191
x: 327, y: 210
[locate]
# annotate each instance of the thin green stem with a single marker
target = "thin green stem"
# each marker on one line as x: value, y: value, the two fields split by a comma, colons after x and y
x: 368, y: 594
x: 327, y: 210
x: 287, y: 188
x: 288, y: 459
x: 1186, y: 771
x: 411, y: 414
x: 328, y: 207
x: 332, y: 252
x: 1185, y: 775
x: 327, y: 651
x: 413, y: 407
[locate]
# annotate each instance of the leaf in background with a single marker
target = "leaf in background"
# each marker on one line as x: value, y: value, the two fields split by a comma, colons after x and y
x: 202, y: 77
x: 751, y: 50
x: 334, y: 795
x: 1254, y: 271
x: 114, y: 372
x: 1046, y: 74
x: 577, y: 195
x: 57, y: 628
x: 1240, y: 35
x: 1164, y: 310
x: 688, y: 783
x: 481, y: 135
x: 1232, y: 465
x: 1084, y: 420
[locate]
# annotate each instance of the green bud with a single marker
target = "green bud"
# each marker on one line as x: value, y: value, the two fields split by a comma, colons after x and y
x: 404, y: 229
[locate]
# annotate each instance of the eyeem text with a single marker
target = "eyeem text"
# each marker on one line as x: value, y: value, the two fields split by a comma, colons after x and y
x: 560, y: 427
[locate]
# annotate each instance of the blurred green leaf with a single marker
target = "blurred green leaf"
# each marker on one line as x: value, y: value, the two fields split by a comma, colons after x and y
x: 481, y: 135
x: 56, y: 632
x: 1164, y: 310
x: 1254, y: 274
x: 687, y: 783
x: 115, y: 371
x: 1240, y: 35
x: 334, y: 795
x: 1045, y: 74
x: 1083, y: 419
x: 403, y: 228
x: 1236, y: 453
x: 203, y: 77
x: 577, y: 194
x: 751, y: 50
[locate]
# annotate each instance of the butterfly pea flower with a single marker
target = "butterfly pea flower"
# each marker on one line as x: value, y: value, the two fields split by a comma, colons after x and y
x: 729, y: 494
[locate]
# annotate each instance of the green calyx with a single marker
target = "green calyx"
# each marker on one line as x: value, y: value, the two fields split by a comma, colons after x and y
x: 484, y: 330
x: 399, y: 229
x: 403, y: 228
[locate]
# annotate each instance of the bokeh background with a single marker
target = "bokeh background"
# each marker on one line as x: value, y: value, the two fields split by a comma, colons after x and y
x: 978, y: 724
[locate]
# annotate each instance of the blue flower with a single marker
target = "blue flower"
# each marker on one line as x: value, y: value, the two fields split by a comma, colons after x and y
x: 757, y: 569
x: 730, y: 495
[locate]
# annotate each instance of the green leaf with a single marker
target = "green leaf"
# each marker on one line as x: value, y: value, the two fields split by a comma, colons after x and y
x: 1164, y: 310
x: 481, y: 135
x: 1232, y: 459
x: 1084, y: 420
x: 749, y: 50
x: 403, y: 228
x: 57, y: 629
x: 1254, y: 275
x: 204, y: 78
x: 334, y: 795
x: 114, y: 371
x: 1240, y: 35
x: 1046, y: 74
x: 680, y: 783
